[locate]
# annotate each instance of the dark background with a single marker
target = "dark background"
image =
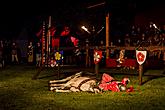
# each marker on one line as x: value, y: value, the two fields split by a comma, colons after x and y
x: 16, y: 15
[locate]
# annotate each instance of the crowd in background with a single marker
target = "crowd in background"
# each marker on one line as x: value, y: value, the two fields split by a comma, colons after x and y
x: 10, y: 52
x: 142, y: 36
x: 150, y: 35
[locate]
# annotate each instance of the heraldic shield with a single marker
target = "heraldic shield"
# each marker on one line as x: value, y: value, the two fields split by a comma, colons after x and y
x: 141, y: 56
x: 97, y: 56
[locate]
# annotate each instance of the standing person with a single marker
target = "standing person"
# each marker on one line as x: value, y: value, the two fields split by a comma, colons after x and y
x: 2, y: 61
x: 14, y: 53
x: 7, y: 45
x: 67, y: 44
x: 38, y: 54
x: 30, y: 53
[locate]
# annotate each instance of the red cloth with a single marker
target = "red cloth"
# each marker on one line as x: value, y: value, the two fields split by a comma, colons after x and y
x: 130, y: 89
x: 130, y: 62
x: 105, y: 81
x: 55, y: 42
x: 52, y: 31
x: 66, y: 31
x: 39, y: 33
x: 125, y: 81
x: 104, y: 86
x: 74, y: 40
x: 113, y: 86
x: 108, y: 83
x: 127, y: 63
x: 106, y: 78
x: 111, y: 62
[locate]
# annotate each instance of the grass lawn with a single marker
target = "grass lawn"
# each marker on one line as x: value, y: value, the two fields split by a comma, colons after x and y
x: 19, y: 92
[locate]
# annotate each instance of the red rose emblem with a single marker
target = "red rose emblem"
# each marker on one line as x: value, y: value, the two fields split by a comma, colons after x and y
x: 140, y: 57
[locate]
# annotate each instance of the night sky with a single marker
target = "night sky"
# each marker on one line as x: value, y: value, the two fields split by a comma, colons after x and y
x: 16, y: 15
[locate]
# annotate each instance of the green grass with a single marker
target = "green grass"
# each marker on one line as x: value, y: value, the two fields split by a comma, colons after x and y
x: 19, y: 92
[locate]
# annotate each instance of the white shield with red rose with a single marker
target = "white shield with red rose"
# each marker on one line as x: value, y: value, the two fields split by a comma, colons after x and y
x: 97, y: 56
x: 141, y: 56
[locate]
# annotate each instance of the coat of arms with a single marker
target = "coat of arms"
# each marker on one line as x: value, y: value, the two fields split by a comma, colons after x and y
x: 97, y: 56
x: 141, y: 56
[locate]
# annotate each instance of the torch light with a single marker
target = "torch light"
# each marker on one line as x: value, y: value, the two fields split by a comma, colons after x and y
x: 85, y: 29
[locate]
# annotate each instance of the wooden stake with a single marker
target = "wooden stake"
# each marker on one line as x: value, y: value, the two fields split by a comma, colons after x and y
x: 58, y: 69
x: 97, y: 64
x: 87, y: 54
x: 38, y: 72
x: 107, y: 36
x: 97, y: 69
x: 140, y: 74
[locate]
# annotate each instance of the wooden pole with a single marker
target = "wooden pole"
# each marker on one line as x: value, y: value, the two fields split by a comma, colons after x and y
x: 38, y: 72
x: 140, y: 74
x: 43, y: 45
x: 58, y: 69
x: 48, y: 42
x: 97, y: 69
x: 107, y: 36
x: 87, y: 53
x: 97, y: 66
x: 42, y: 54
x: 96, y: 5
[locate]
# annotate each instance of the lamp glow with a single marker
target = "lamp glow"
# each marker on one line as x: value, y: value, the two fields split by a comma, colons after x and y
x: 85, y: 29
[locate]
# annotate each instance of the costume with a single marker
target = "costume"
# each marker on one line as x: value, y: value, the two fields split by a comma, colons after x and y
x: 30, y: 53
x: 109, y: 83
x: 38, y: 55
x: 14, y: 53
x: 65, y: 41
x: 1, y: 57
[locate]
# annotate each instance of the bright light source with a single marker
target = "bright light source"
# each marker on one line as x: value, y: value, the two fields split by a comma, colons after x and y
x: 85, y: 29
x: 155, y: 26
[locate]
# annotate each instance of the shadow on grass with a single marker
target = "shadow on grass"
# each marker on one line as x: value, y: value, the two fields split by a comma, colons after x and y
x: 150, y: 77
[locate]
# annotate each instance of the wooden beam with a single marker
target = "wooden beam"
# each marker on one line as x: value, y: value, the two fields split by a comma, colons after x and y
x: 107, y: 35
x: 96, y: 5
x: 149, y: 48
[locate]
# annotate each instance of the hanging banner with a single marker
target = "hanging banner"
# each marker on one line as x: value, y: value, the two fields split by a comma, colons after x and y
x: 53, y: 63
x: 58, y: 56
x: 43, y: 44
x: 97, y: 56
x: 141, y: 56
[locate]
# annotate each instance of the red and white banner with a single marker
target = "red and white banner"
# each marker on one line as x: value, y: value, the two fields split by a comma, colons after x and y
x: 97, y: 56
x: 53, y: 63
x: 141, y: 56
